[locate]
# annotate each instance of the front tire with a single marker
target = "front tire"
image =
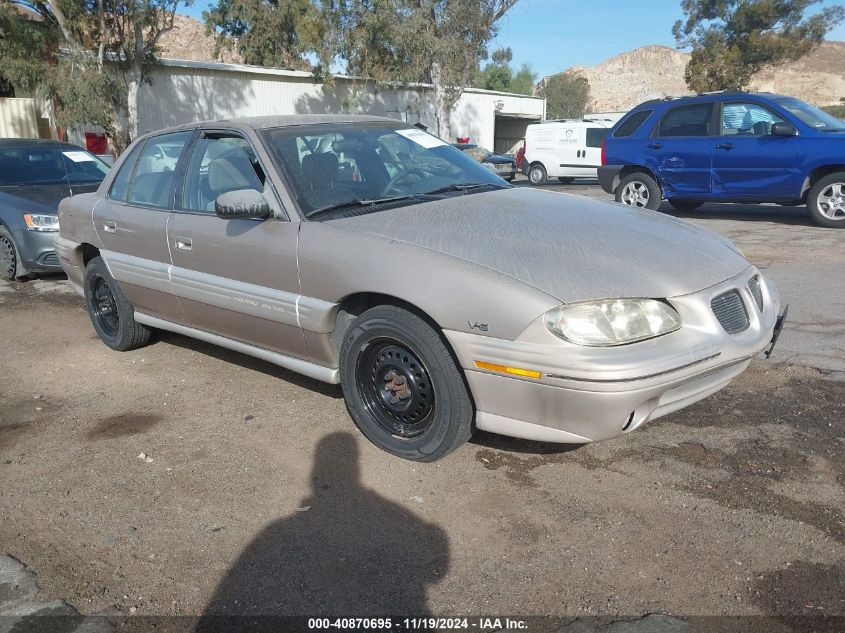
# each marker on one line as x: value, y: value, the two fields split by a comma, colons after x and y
x: 639, y: 190
x: 11, y: 267
x: 112, y: 316
x: 537, y: 174
x: 826, y: 201
x: 402, y: 386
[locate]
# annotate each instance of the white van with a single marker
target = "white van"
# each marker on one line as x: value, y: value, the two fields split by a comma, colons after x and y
x: 564, y: 149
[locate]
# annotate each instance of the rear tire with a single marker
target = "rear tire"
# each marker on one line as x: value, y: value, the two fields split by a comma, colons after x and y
x: 565, y: 180
x: 537, y: 174
x: 684, y: 205
x: 826, y: 201
x: 11, y: 266
x: 112, y: 316
x: 402, y: 385
x: 640, y: 190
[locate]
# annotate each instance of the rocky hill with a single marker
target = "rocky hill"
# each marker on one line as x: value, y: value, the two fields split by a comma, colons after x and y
x: 188, y: 40
x: 649, y: 72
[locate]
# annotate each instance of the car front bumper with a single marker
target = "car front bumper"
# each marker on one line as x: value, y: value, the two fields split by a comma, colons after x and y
x: 607, y: 175
x: 36, y: 250
x: 587, y: 394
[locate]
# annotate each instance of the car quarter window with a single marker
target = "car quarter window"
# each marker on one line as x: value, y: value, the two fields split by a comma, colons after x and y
x: 220, y: 163
x: 595, y: 136
x: 747, y: 119
x: 155, y: 170
x: 688, y: 120
x: 120, y: 184
x: 632, y: 123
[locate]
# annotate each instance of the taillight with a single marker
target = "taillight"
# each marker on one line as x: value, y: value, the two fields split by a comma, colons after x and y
x: 603, y: 152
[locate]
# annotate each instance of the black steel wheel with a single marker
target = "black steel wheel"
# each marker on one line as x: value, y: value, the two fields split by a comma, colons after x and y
x: 402, y: 386
x: 112, y: 316
x: 396, y: 388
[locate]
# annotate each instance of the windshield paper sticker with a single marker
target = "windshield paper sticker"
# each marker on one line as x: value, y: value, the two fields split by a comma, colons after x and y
x: 79, y: 157
x: 421, y: 138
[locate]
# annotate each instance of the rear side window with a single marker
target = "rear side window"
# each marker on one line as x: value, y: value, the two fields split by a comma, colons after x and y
x: 595, y: 136
x: 152, y: 181
x: 690, y: 120
x: 120, y: 184
x: 632, y: 123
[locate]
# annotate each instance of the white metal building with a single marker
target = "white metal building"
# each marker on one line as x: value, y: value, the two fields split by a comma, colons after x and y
x: 184, y: 91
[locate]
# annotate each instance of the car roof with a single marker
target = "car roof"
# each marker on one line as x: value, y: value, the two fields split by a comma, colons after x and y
x: 721, y: 95
x: 281, y: 120
x: 33, y: 143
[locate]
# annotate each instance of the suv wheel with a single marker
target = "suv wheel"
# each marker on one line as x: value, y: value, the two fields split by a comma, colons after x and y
x: 684, y: 205
x: 639, y: 190
x: 112, y: 316
x: 826, y: 201
x: 11, y: 267
x: 537, y: 174
x: 402, y: 386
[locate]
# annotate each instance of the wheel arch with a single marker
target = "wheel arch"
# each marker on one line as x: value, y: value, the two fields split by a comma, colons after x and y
x: 89, y: 252
x: 817, y: 174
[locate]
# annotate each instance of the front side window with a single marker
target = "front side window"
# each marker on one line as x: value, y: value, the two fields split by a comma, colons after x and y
x: 155, y: 170
x: 337, y: 164
x: 747, y: 119
x: 812, y: 116
x: 219, y: 163
x: 49, y: 163
x: 689, y: 120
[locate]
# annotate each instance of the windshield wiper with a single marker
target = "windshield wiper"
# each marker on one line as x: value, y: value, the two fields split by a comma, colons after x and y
x: 464, y: 186
x: 359, y: 202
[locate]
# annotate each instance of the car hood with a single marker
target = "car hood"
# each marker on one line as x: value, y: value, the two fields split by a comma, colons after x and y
x: 571, y: 247
x: 498, y: 158
x: 44, y: 197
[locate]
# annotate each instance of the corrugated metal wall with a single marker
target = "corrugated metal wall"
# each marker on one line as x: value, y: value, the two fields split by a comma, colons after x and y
x: 18, y: 118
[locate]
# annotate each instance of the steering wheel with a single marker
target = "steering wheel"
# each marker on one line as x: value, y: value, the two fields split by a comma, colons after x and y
x: 403, y: 175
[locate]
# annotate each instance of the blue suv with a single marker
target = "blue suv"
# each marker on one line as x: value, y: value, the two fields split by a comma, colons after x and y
x: 728, y: 147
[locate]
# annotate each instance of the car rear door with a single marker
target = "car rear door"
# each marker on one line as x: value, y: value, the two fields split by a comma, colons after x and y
x: 679, y: 149
x: 749, y: 162
x: 236, y: 278
x: 131, y: 222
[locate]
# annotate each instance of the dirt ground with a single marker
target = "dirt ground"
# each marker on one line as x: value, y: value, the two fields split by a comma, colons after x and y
x: 256, y: 494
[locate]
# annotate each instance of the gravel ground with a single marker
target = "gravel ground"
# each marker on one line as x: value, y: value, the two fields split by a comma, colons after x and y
x: 183, y: 479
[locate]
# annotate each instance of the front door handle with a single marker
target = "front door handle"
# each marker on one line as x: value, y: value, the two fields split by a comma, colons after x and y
x: 110, y: 226
x: 654, y: 145
x: 725, y: 146
x: 184, y: 244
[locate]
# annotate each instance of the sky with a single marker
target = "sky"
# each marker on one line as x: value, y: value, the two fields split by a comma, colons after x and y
x: 552, y: 35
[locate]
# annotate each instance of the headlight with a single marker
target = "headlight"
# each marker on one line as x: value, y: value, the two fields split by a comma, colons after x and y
x: 41, y: 222
x: 612, y: 322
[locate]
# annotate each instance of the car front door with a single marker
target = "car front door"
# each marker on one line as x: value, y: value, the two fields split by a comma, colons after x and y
x: 234, y: 277
x: 131, y: 222
x: 680, y: 148
x: 748, y: 160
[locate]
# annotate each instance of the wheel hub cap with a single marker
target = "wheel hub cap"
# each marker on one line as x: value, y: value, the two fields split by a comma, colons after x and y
x: 7, y: 257
x: 831, y: 201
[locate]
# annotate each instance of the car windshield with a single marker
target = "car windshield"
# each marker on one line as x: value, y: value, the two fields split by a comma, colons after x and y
x: 43, y: 164
x: 812, y: 116
x: 476, y: 152
x: 336, y: 165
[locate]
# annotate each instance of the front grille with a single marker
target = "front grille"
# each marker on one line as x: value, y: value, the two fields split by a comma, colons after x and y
x: 756, y: 291
x: 730, y: 311
x: 49, y: 259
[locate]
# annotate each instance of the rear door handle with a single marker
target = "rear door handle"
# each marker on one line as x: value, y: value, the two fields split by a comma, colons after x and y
x: 725, y: 146
x: 110, y: 226
x: 654, y: 145
x: 184, y: 244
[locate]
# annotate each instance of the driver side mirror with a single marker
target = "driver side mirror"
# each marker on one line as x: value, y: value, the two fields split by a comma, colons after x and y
x: 240, y: 204
x: 783, y: 129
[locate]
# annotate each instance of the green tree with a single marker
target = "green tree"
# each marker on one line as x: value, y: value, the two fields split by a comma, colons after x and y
x: 731, y: 40
x: 275, y: 33
x: 498, y: 74
x: 89, y: 56
x: 434, y: 41
x: 566, y: 94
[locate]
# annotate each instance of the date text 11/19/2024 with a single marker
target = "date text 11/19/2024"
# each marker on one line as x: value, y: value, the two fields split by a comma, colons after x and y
x: 485, y: 624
